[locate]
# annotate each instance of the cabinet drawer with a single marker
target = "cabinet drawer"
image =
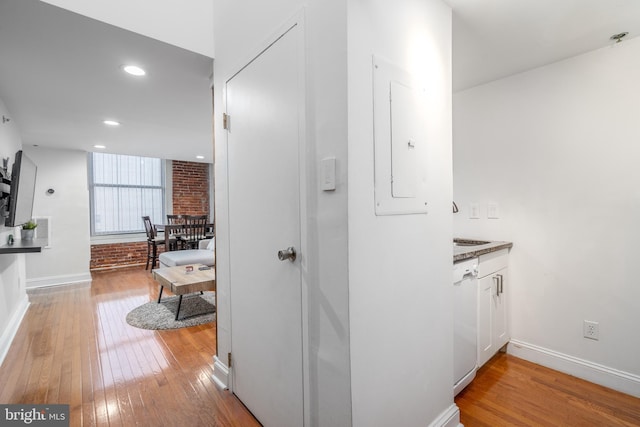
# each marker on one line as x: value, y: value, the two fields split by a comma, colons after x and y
x: 492, y: 262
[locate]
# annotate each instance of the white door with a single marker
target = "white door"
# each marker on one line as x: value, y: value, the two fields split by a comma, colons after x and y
x: 262, y: 102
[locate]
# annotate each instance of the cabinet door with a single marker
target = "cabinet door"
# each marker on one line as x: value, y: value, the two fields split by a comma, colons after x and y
x: 486, y: 292
x: 492, y: 315
x: 499, y: 309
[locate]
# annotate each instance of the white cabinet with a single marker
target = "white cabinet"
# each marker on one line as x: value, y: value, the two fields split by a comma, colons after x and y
x: 493, y: 330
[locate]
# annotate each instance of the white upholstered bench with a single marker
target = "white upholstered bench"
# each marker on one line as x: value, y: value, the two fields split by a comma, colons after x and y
x: 204, y: 255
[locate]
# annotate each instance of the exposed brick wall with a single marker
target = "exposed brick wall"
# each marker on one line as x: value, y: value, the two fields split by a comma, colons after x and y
x: 118, y: 255
x: 190, y: 188
x: 111, y: 255
x: 190, y: 197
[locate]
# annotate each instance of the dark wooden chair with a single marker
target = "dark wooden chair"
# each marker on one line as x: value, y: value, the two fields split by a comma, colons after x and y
x: 152, y: 242
x: 210, y: 231
x: 176, y: 219
x: 177, y: 230
x: 173, y: 237
x: 195, y: 230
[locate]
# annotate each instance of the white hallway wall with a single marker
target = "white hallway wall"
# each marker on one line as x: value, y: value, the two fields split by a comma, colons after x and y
x: 67, y: 261
x: 400, y: 293
x: 557, y: 148
x: 241, y: 30
x: 13, y: 298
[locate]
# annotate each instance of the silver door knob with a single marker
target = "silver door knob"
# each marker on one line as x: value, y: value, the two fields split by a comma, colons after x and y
x: 287, y: 254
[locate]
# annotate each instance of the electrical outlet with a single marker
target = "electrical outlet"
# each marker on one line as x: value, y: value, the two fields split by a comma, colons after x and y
x: 591, y: 330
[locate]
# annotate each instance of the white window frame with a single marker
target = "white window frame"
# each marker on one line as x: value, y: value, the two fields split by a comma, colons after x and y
x: 122, y: 236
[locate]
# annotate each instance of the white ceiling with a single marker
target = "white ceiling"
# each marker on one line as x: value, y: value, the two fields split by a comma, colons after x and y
x: 157, y: 19
x: 60, y: 77
x: 60, y: 72
x: 497, y: 38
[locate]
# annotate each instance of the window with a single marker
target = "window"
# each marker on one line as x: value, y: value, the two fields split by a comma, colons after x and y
x: 122, y: 190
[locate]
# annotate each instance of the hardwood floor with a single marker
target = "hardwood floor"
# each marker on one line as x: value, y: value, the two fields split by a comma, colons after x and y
x: 509, y: 391
x: 75, y: 347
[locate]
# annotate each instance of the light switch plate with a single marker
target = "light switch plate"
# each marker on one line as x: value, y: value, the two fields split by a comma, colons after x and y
x: 328, y: 167
x: 493, y: 210
x: 474, y: 210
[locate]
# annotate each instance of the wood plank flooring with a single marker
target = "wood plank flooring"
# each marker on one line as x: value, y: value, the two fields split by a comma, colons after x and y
x: 509, y: 391
x: 75, y: 347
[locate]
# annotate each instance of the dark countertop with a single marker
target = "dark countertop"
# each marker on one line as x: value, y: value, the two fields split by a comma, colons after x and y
x: 24, y: 246
x: 461, y: 253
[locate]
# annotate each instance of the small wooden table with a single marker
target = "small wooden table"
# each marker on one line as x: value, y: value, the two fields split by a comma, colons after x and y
x: 182, y: 282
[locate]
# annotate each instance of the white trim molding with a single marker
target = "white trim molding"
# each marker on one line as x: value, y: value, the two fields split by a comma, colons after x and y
x: 450, y: 417
x: 624, y: 382
x: 66, y: 279
x: 221, y: 375
x: 12, y: 328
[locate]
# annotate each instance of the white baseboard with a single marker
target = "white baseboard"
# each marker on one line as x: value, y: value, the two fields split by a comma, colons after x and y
x: 449, y: 418
x: 58, y: 280
x: 221, y: 375
x: 12, y: 327
x: 603, y: 375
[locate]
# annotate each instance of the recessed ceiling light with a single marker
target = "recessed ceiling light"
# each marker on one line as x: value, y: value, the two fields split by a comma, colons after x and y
x: 102, y: 147
x: 200, y: 157
x: 134, y: 70
x: 111, y: 123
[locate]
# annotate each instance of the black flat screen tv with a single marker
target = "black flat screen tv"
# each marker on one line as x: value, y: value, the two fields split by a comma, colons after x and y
x: 22, y: 192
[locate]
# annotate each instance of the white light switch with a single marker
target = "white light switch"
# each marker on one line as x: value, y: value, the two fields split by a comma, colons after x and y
x: 493, y: 210
x: 474, y: 210
x: 328, y: 167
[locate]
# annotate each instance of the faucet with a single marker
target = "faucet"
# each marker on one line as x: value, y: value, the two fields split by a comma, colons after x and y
x: 455, y: 207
